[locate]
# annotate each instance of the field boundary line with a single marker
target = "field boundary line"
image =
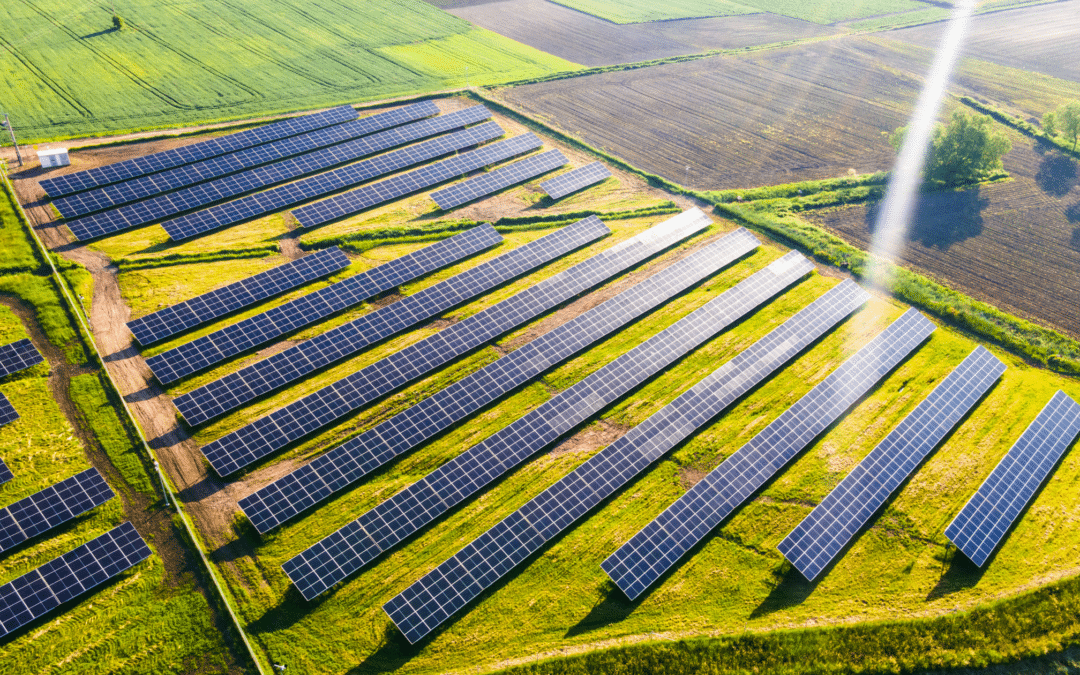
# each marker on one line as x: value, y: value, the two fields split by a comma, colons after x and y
x: 167, y: 487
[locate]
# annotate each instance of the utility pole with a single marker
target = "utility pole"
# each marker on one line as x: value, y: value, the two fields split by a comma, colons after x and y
x: 7, y: 124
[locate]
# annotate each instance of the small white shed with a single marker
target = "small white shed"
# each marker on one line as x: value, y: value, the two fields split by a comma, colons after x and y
x: 56, y: 157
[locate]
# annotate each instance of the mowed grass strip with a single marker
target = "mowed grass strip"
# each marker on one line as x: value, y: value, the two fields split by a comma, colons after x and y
x: 71, y: 73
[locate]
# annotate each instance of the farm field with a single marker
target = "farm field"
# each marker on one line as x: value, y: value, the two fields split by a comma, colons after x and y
x: 560, y: 601
x: 582, y: 38
x: 818, y: 11
x: 1039, y: 39
x: 70, y: 73
x: 161, y: 616
x: 779, y: 116
x: 1014, y: 244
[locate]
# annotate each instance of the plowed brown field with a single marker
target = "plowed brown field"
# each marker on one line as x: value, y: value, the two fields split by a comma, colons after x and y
x: 800, y: 113
x: 581, y: 38
x: 1013, y: 244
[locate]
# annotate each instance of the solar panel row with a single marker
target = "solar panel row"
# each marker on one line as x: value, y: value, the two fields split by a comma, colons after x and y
x: 17, y: 356
x: 572, y: 181
x: 659, y: 545
x: 196, y: 196
x: 323, y: 184
x: 414, y: 181
x: 160, y: 161
x: 986, y: 518
x: 488, y: 183
x: 209, y: 306
x: 111, y: 196
x: 8, y: 414
x: 449, y: 587
x: 823, y: 534
x: 51, y: 507
x: 194, y: 356
x: 235, y: 389
x: 286, y: 497
x: 348, y: 549
x: 341, y: 398
x: 40, y: 591
x: 5, y: 473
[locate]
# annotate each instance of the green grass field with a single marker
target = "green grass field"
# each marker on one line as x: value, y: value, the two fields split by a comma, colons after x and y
x: 68, y: 73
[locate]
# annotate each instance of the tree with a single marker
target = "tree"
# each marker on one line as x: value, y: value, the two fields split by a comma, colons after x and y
x: 1068, y: 117
x: 118, y: 22
x: 964, y: 151
x: 1049, y: 125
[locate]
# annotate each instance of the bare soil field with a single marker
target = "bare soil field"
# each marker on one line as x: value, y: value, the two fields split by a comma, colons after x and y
x: 1014, y: 244
x: 1044, y: 39
x: 582, y: 38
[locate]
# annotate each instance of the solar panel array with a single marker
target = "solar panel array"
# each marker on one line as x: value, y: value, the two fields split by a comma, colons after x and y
x: 986, y: 518
x: 5, y: 473
x: 160, y: 161
x: 330, y: 182
x: 17, y: 356
x: 348, y: 549
x: 332, y: 402
x: 493, y: 181
x: 40, y: 591
x: 209, y: 306
x: 235, y: 389
x: 219, y: 189
x: 8, y: 414
x: 572, y: 181
x: 443, y: 591
x: 133, y: 190
x: 414, y: 181
x: 307, y: 309
x: 659, y: 545
x: 286, y: 497
x: 823, y: 534
x: 51, y: 507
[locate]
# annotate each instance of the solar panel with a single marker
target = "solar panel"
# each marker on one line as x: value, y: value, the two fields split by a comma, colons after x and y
x: 18, y: 356
x: 160, y: 161
x: 286, y: 497
x: 572, y: 181
x: 421, y: 607
x: 111, y: 196
x: 51, y: 507
x: 8, y: 414
x: 341, y: 398
x: 62, y: 579
x: 368, y: 196
x: 194, y: 356
x: 193, y: 197
x: 209, y: 306
x: 660, y: 544
x: 983, y: 522
x: 491, y: 182
x: 823, y: 534
x: 348, y: 549
x: 323, y: 184
x: 235, y: 389
x: 5, y: 473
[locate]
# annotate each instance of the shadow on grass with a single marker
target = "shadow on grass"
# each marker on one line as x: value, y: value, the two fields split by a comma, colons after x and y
x: 394, y: 652
x: 960, y: 575
x: 1057, y: 174
x: 291, y: 609
x: 612, y: 608
x: 793, y: 589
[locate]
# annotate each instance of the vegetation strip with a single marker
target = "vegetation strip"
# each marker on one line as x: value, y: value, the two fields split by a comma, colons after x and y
x: 166, y: 486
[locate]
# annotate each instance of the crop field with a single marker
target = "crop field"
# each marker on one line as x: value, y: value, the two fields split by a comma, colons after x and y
x: 1038, y: 39
x: 1015, y: 244
x: 560, y: 601
x: 153, y: 618
x: 818, y: 11
x: 68, y: 72
x: 582, y: 38
x: 779, y: 116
